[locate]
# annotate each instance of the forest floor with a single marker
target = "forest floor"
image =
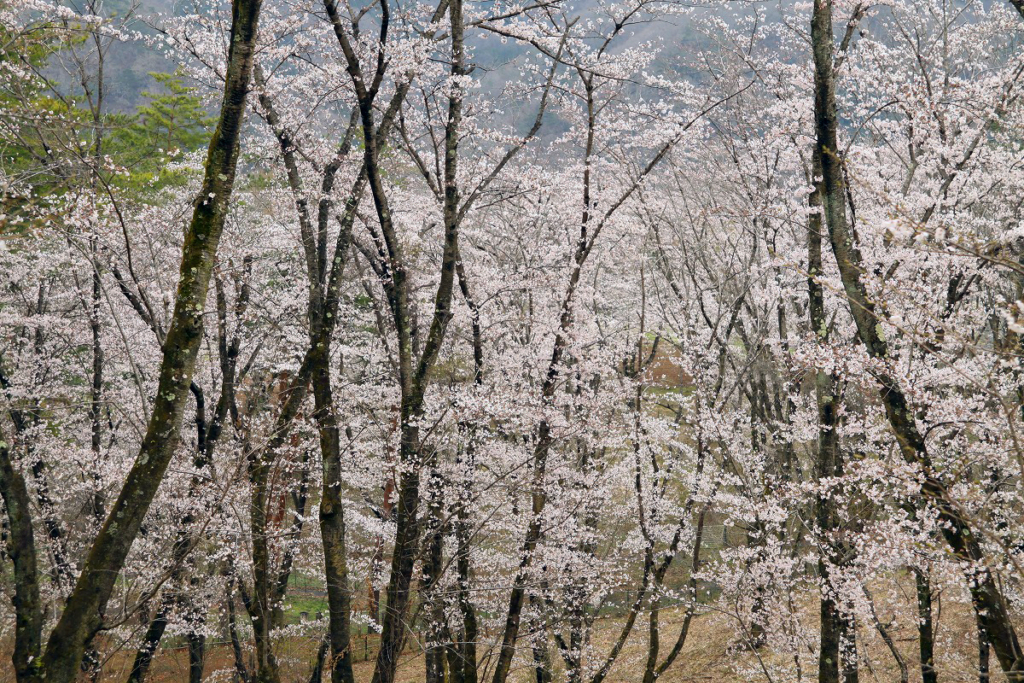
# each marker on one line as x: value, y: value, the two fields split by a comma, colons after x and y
x: 709, y: 655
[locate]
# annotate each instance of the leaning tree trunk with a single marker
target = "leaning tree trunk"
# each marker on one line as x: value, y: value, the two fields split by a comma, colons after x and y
x: 966, y: 543
x: 83, y: 613
x: 158, y: 626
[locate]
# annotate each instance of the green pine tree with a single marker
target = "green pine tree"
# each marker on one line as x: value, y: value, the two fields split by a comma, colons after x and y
x: 172, y: 122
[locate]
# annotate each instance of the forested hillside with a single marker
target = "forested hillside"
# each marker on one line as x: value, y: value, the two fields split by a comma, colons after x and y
x: 495, y: 342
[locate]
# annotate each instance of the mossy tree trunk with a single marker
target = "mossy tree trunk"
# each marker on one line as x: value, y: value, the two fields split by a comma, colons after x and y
x: 989, y: 604
x: 83, y: 612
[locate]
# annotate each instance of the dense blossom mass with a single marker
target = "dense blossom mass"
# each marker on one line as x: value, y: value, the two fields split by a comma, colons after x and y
x: 556, y: 340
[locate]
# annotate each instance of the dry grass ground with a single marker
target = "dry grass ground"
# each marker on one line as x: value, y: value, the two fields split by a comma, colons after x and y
x: 709, y: 654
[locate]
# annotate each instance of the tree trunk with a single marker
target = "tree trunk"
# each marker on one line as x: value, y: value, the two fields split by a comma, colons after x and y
x: 392, y: 640
x: 196, y: 657
x: 96, y: 389
x: 332, y: 519
x: 966, y: 543
x: 542, y: 670
x: 241, y: 671
x: 433, y: 599
x: 151, y: 640
x: 983, y: 650
x: 925, y: 627
x: 317, y: 675
x: 82, y: 616
x: 827, y: 464
x: 413, y: 381
x: 21, y: 547
x: 828, y: 652
x: 467, y: 648
x: 261, y: 607
x: 848, y: 648
x: 322, y: 317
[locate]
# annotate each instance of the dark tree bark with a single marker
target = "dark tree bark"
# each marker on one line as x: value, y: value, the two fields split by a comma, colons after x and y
x: 433, y: 599
x: 542, y: 669
x: 332, y: 519
x: 983, y: 653
x: 925, y: 627
x: 332, y: 524
x: 324, y: 287
x: 83, y: 612
x: 241, y: 670
x: 848, y: 648
x: 269, y: 586
x: 450, y: 202
x: 990, y: 606
x: 21, y: 548
x: 392, y: 270
x: 414, y: 364
x: 196, y: 657
x: 261, y: 604
x: 151, y: 640
x: 464, y: 654
x: 828, y: 463
x: 24, y: 420
x: 317, y: 674
x: 96, y: 388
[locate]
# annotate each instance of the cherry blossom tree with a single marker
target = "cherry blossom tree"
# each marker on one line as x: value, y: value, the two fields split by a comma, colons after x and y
x: 581, y: 332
